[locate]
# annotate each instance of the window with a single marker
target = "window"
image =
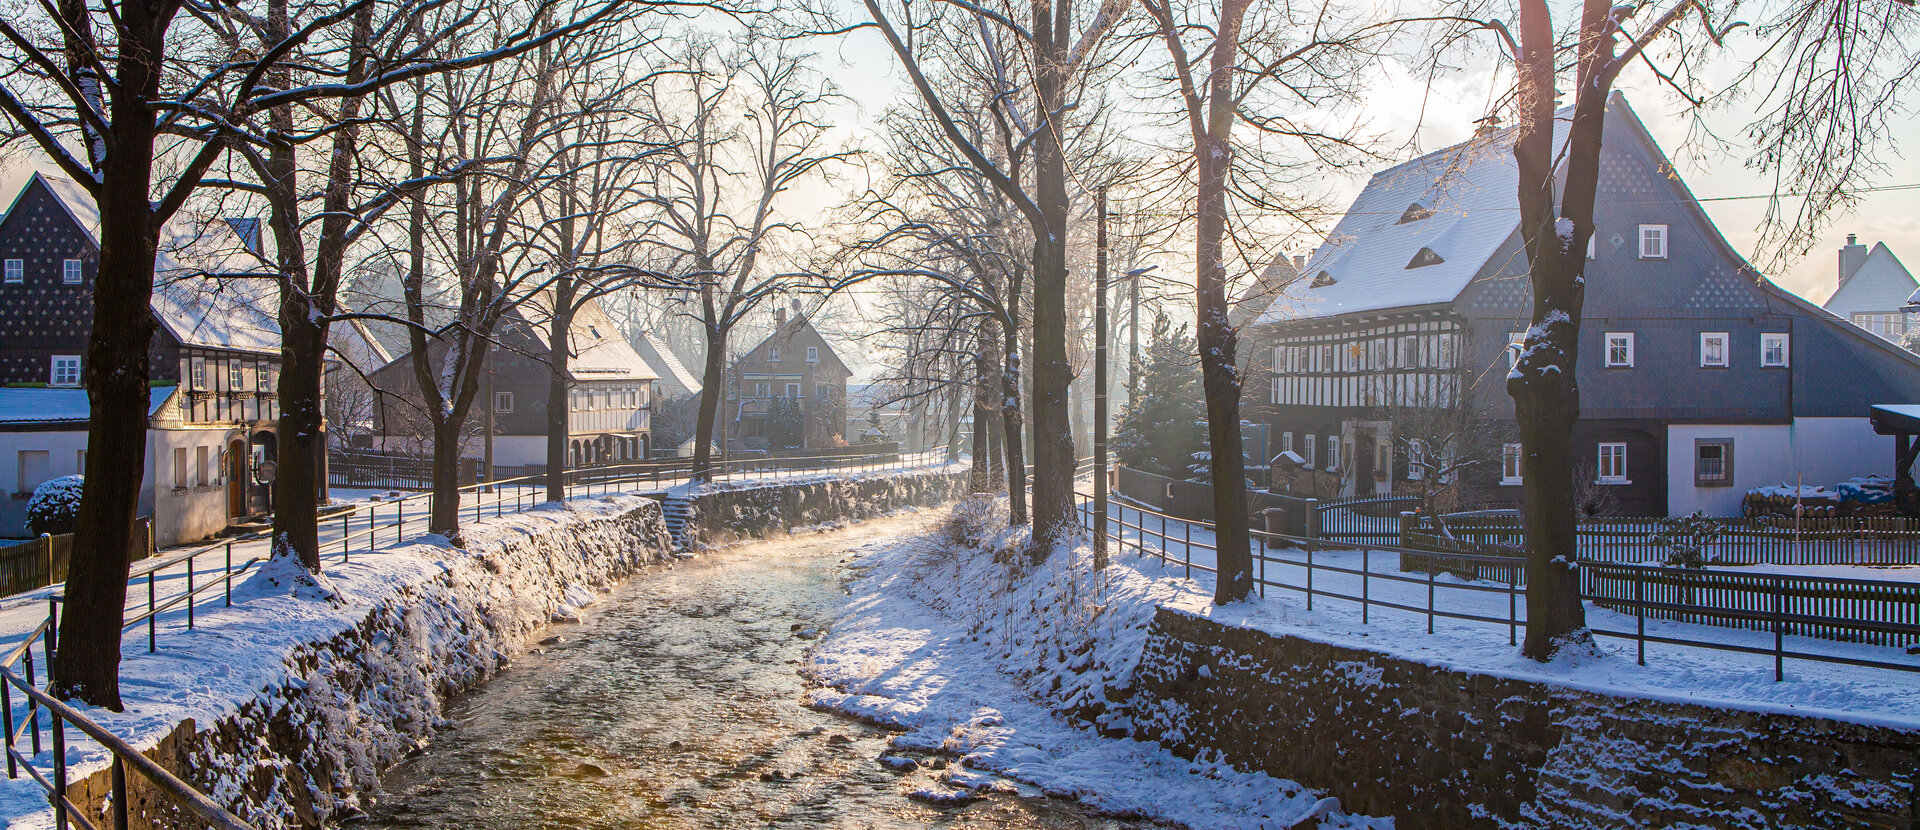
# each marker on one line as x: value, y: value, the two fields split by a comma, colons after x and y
x: 266, y: 378
x: 793, y: 390
x: 1416, y: 460
x: 1515, y: 342
x: 1308, y: 449
x: 200, y: 472
x: 179, y: 468
x: 80, y: 461
x: 1713, y: 462
x: 1653, y: 241
x: 70, y: 272
x: 1333, y: 452
x: 820, y: 390
x: 1774, y: 350
x: 1713, y: 348
x: 760, y: 389
x: 1286, y: 442
x: 1613, y: 464
x: 813, y: 354
x: 1446, y: 351
x: 1888, y: 325
x: 66, y: 370
x: 1510, y: 464
x: 199, y: 373
x: 503, y: 402
x: 773, y: 354
x: 236, y: 376
x: 1619, y: 350
x: 16, y: 271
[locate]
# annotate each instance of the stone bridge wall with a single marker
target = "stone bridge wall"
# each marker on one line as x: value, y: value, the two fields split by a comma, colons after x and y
x: 724, y: 512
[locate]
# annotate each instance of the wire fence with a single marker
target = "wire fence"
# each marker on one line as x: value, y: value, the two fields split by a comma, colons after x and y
x: 363, y: 528
x: 1490, y: 589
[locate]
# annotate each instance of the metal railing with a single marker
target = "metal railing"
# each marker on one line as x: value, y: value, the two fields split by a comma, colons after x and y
x: 360, y: 527
x: 1323, y: 570
x: 1764, y: 540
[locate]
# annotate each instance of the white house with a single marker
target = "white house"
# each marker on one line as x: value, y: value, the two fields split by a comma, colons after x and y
x: 1874, y: 290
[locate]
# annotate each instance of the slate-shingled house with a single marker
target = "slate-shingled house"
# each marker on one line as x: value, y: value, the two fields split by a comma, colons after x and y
x: 1699, y: 378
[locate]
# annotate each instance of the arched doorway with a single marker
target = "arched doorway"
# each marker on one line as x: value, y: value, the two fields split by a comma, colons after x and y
x: 236, y: 478
x: 265, y: 448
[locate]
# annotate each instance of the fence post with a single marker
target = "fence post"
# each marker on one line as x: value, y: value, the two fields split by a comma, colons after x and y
x: 1779, y: 655
x: 119, y: 793
x: 1366, y: 570
x: 152, y: 642
x: 46, y: 545
x: 1640, y: 611
x: 346, y: 537
x: 1513, y: 606
x: 59, y: 773
x: 1310, y: 521
x: 190, y: 592
x: 1309, y: 574
x: 1430, y: 569
x: 229, y: 578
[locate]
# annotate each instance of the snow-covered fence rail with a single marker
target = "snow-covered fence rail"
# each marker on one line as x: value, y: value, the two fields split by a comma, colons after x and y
x: 1371, y: 575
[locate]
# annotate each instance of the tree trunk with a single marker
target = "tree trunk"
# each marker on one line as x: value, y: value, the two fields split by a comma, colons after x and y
x: 1053, y: 459
x: 982, y: 397
x: 88, y: 667
x: 1545, y: 392
x: 447, y: 457
x: 559, y: 404
x: 714, y: 390
x: 1014, y: 460
x: 302, y: 443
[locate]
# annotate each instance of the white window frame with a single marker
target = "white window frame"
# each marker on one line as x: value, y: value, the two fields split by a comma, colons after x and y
x: 15, y: 271
x: 503, y: 402
x: 1286, y: 442
x: 236, y: 376
x: 1510, y: 464
x: 1784, y: 341
x: 1416, y: 460
x: 197, y: 373
x: 64, y: 364
x: 1653, y: 241
x: 773, y: 354
x: 1625, y: 340
x: 1706, y: 359
x: 813, y: 354
x: 1309, y: 450
x: 1333, y: 453
x: 793, y: 389
x: 1612, y: 470
x: 1515, y: 342
x: 70, y: 273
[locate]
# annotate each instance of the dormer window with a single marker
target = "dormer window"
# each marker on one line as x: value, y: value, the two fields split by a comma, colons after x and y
x: 773, y: 354
x: 1415, y: 212
x: 594, y: 331
x: 1322, y: 280
x: 1426, y: 257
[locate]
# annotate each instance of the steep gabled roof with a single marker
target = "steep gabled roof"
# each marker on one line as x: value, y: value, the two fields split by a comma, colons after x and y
x: 1881, y: 283
x: 1416, y: 234
x: 785, y: 332
x: 676, y: 380
x: 600, y: 351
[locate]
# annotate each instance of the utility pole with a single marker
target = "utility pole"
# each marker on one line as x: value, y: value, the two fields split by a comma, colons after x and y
x: 1099, y: 517
x: 492, y: 405
x: 1133, y: 356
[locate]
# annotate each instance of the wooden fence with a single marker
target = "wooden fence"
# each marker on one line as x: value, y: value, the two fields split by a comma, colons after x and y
x: 37, y: 563
x: 1756, y: 541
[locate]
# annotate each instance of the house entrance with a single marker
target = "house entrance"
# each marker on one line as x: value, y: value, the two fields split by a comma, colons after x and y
x: 237, y: 478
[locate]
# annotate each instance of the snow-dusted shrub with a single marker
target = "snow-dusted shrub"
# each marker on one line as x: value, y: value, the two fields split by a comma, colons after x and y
x: 1686, y: 538
x: 55, y: 506
x: 974, y: 520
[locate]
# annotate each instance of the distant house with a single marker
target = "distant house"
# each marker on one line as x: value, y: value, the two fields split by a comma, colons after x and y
x: 609, y: 399
x: 793, y: 366
x: 1874, y: 290
x: 214, y: 362
x: 1698, y: 377
x: 676, y: 380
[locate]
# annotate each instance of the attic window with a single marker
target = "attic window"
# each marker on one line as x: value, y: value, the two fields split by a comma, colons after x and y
x: 1415, y: 212
x: 1424, y: 258
x: 1322, y: 280
x: 594, y: 331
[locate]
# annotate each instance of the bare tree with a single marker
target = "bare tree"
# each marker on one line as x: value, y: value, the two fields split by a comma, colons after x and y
x: 756, y: 108
x: 1047, y: 56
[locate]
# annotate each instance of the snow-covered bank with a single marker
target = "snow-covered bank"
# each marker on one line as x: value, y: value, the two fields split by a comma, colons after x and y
x: 284, y: 707
x: 728, y: 511
x: 953, y: 638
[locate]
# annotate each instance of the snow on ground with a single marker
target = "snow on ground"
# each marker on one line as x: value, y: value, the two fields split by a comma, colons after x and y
x: 1673, y: 672
x: 951, y: 639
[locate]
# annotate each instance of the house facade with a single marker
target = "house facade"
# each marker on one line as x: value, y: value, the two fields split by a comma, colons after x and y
x: 609, y: 399
x: 794, y: 367
x: 1873, y: 291
x: 1698, y: 377
x: 214, y: 363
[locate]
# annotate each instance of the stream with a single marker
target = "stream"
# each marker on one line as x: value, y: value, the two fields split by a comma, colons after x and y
x: 676, y: 704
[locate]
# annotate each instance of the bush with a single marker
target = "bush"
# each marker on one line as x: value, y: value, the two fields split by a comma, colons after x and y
x: 1686, y: 538
x: 55, y: 506
x: 973, y: 521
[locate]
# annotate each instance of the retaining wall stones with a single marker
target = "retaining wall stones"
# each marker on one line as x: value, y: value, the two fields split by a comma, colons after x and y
x: 724, y: 512
x: 1442, y: 748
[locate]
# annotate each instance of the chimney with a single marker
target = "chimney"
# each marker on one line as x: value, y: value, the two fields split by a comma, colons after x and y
x: 1299, y: 263
x: 1486, y: 126
x: 779, y: 316
x: 1852, y: 256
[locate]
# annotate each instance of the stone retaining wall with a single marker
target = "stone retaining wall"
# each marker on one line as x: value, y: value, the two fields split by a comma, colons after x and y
x: 724, y: 512
x: 1442, y: 748
x: 355, y: 703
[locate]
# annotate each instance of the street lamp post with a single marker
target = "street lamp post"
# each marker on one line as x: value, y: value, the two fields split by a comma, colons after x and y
x: 1100, y: 429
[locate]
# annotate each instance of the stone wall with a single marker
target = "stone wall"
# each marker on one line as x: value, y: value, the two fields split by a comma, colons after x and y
x: 1441, y: 748
x: 355, y: 703
x: 724, y: 512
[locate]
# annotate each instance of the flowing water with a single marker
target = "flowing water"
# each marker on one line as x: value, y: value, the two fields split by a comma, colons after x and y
x: 676, y: 704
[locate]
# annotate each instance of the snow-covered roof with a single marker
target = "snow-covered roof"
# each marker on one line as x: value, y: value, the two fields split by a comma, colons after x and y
x: 1879, y: 284
x: 600, y: 351
x: 55, y: 406
x: 209, y: 289
x: 1416, y: 234
x: 672, y: 371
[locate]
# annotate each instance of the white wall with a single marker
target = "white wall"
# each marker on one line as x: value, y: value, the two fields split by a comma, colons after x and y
x: 519, y: 450
x: 63, y: 459
x: 1823, y: 451
x: 200, y: 510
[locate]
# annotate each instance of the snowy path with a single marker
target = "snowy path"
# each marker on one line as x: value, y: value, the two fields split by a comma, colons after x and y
x: 1742, y: 680
x: 675, y: 704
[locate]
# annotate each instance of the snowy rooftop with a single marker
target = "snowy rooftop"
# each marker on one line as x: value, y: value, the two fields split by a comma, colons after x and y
x: 668, y: 364
x: 1416, y: 235
x: 56, y: 406
x: 600, y: 351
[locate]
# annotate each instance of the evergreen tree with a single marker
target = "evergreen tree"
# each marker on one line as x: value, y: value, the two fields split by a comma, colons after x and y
x: 785, y: 427
x: 1160, y: 432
